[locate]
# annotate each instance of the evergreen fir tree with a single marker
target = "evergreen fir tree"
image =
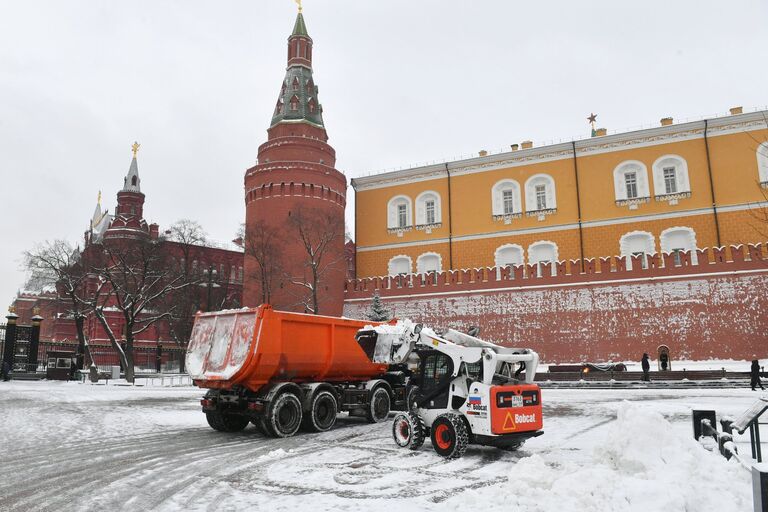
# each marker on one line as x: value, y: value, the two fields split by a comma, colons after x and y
x: 378, y: 312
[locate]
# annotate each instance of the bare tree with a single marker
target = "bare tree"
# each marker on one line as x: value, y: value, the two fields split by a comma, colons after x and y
x: 57, y: 265
x: 263, y: 246
x: 318, y: 234
x: 134, y: 279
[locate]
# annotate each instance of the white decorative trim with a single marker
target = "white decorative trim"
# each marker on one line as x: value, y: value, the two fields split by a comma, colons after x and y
x: 644, y: 237
x: 681, y: 175
x: 691, y: 245
x: 420, y: 263
x: 762, y: 163
x: 497, y: 199
x: 421, y: 212
x: 564, y: 227
x: 720, y: 126
x: 392, y: 217
x: 515, y: 247
x: 530, y: 193
x: 400, y: 257
x: 620, y: 183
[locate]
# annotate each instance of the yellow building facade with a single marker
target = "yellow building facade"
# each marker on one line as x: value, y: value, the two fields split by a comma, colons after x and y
x: 676, y: 187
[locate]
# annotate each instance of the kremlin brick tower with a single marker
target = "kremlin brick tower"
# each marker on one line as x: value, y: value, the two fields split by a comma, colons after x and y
x: 295, y: 200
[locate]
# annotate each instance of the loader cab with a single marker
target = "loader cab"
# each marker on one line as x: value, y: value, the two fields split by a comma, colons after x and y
x: 434, y: 379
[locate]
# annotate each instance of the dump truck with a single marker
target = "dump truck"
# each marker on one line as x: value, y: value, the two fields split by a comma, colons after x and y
x: 282, y: 371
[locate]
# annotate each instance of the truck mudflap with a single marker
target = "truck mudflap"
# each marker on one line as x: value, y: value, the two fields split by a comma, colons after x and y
x: 516, y: 409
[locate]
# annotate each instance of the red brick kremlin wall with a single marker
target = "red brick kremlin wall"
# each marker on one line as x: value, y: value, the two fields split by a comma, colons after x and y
x: 715, y: 308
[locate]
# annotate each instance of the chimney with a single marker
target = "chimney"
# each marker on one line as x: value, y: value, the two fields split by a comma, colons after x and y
x: 736, y: 110
x: 483, y: 152
x: 154, y: 231
x: 666, y: 121
x: 515, y: 147
x: 601, y: 132
x: 527, y: 144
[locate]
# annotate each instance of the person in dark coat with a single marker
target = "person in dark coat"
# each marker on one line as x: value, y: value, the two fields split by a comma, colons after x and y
x: 646, y: 368
x: 755, y: 375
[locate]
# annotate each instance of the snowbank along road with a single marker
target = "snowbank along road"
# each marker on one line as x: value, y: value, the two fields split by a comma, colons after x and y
x: 70, y: 446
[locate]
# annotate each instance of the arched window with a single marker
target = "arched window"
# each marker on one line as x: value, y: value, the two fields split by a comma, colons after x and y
x: 508, y: 254
x: 311, y: 105
x: 429, y: 262
x: 399, y: 213
x: 540, y: 194
x: 505, y: 200
x: 630, y: 182
x: 296, y: 84
x: 679, y: 239
x: 310, y: 86
x: 279, y: 107
x: 428, y: 209
x: 762, y: 164
x: 400, y: 265
x: 295, y: 103
x: 670, y: 178
x: 637, y: 243
x: 543, y: 252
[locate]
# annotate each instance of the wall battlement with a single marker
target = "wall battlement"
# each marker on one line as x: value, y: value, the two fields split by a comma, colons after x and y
x: 706, y: 261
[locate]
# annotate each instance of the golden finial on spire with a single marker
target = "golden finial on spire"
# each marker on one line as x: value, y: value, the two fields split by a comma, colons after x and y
x: 12, y: 309
x: 135, y: 148
x: 298, y: 2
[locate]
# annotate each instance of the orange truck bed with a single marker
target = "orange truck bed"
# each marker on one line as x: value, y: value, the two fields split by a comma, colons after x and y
x: 253, y: 347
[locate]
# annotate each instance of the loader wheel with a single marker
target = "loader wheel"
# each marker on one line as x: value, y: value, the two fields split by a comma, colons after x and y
x: 408, y: 430
x: 378, y: 408
x: 224, y: 422
x: 414, y: 393
x: 322, y: 413
x: 284, y: 415
x: 449, y: 436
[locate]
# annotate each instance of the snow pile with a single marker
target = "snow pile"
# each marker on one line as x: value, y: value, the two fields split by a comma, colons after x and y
x: 642, y: 465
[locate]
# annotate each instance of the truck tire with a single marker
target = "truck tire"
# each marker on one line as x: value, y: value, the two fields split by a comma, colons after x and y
x: 378, y: 407
x: 449, y: 436
x: 284, y: 415
x: 322, y: 412
x: 224, y: 422
x: 408, y: 430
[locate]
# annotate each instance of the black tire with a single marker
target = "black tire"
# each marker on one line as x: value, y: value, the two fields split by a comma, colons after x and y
x: 449, y: 436
x: 224, y: 422
x: 321, y: 416
x: 283, y: 415
x: 408, y: 430
x: 379, y: 405
x: 412, y: 396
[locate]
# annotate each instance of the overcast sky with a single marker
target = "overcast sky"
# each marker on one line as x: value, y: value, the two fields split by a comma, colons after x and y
x: 401, y: 82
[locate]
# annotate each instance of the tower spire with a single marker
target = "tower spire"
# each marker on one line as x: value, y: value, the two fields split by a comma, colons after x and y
x: 132, y: 181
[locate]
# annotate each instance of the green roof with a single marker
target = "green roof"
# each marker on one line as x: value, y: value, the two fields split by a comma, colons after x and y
x: 300, y: 28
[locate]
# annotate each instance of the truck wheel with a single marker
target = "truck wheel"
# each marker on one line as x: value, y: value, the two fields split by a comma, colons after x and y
x: 408, y: 430
x: 284, y: 415
x: 449, y: 436
x: 322, y: 413
x: 224, y: 422
x: 378, y: 408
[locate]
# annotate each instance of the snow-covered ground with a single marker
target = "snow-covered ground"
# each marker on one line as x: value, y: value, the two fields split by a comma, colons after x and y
x: 72, y: 446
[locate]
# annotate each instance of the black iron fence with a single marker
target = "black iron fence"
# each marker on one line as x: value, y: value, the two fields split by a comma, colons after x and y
x: 22, y: 352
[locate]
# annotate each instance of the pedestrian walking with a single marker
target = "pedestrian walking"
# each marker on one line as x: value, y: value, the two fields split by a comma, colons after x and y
x: 646, y: 367
x: 754, y: 374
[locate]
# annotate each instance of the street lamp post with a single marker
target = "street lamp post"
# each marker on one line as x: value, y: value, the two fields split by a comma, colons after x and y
x: 209, y: 276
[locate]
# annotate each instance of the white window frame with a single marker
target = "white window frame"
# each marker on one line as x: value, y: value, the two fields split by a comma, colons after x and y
x: 532, y: 249
x: 627, y: 248
x: 421, y: 208
x: 513, y: 247
x: 530, y: 193
x: 762, y: 164
x: 392, y: 213
x: 620, y: 183
x: 399, y: 258
x: 669, y: 244
x: 681, y: 178
x: 420, y: 262
x: 497, y: 198
x: 627, y: 184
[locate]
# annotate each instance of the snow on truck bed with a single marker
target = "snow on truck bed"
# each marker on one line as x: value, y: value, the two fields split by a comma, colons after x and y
x: 69, y: 446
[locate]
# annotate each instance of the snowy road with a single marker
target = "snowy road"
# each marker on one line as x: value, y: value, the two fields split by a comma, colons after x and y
x: 69, y: 446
